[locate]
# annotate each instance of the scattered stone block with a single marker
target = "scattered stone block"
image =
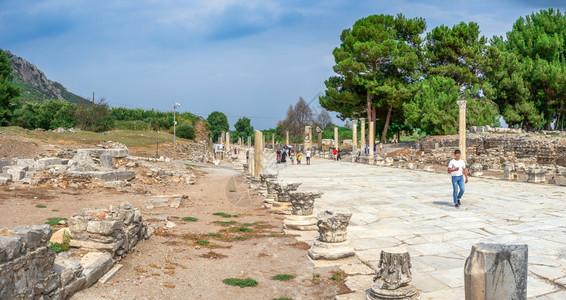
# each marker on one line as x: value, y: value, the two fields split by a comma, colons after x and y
x: 106, y: 161
x: 4, y: 163
x: 301, y: 217
x: 114, y: 184
x: 18, y: 172
x: 45, y: 163
x: 535, y: 175
x: 428, y: 169
x: 496, y: 271
x: 95, y: 265
x: 59, y: 235
x: 117, y: 153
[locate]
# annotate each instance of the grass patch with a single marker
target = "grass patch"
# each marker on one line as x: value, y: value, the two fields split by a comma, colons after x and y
x: 232, y: 191
x: 57, y: 247
x: 190, y: 219
x: 203, y: 242
x: 239, y: 237
x: 55, y: 221
x: 40, y: 206
x: 337, y: 275
x: 247, y: 224
x: 224, y: 215
x: 282, y: 298
x: 224, y: 222
x: 283, y: 277
x: 175, y: 217
x: 240, y: 282
x: 242, y: 229
x: 214, y: 234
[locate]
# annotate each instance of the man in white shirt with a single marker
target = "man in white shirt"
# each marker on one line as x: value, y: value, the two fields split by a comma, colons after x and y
x: 457, y: 168
x: 308, y: 155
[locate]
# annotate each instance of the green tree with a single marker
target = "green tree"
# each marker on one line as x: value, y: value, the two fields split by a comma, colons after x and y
x: 528, y: 70
x: 377, y: 61
x: 185, y: 131
x: 217, y: 123
x: 243, y: 128
x: 49, y: 114
x: 434, y: 109
x: 8, y: 92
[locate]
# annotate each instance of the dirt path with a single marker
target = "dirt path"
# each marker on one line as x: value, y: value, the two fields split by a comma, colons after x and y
x: 177, y: 263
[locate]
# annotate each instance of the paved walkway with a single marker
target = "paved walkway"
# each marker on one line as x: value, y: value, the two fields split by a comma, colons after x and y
x: 413, y: 209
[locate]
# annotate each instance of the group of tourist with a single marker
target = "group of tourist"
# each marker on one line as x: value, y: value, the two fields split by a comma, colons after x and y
x: 287, y: 152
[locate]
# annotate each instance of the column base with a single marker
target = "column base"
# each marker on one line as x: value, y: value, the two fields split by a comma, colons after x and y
x: 303, y: 223
x: 407, y: 292
x: 282, y: 208
x: 331, y: 251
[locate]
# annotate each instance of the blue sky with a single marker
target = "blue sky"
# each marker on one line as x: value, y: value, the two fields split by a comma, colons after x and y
x: 245, y: 58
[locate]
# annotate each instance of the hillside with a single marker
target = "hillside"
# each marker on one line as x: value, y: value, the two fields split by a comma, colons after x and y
x: 35, y: 85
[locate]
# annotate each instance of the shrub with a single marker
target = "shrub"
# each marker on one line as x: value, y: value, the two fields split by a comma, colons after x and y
x: 283, y: 277
x: 185, y: 131
x: 240, y: 282
x: 189, y: 219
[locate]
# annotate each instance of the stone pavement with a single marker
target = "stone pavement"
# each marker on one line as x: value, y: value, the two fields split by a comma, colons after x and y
x: 413, y: 209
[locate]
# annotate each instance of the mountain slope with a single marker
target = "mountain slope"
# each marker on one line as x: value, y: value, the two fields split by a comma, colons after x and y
x: 35, y: 85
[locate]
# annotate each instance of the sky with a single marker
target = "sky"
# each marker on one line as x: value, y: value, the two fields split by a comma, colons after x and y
x: 249, y: 58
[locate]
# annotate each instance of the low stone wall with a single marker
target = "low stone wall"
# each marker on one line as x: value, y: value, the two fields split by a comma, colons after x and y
x: 29, y: 269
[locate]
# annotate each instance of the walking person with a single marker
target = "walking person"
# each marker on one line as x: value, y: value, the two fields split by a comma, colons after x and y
x: 298, y: 158
x: 335, y: 154
x: 292, y: 157
x: 457, y: 168
x: 308, y: 155
x: 338, y: 157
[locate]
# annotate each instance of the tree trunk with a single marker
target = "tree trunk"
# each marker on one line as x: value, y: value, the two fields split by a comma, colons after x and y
x: 386, y: 126
x: 557, y: 124
x: 369, y: 115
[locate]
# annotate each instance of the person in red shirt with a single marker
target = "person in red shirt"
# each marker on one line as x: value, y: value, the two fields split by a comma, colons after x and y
x: 334, y: 153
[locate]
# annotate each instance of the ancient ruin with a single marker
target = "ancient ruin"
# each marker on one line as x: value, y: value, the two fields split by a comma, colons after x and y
x: 393, y: 278
x: 331, y: 243
x: 301, y: 217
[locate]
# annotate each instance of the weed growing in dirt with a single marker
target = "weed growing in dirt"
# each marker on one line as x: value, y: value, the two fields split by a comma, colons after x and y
x: 232, y: 191
x: 189, y: 219
x: 282, y: 298
x: 203, y: 242
x: 240, y: 282
x: 214, y: 234
x: 224, y: 222
x: 283, y: 277
x: 247, y: 224
x: 40, y: 206
x: 60, y: 247
x: 315, y: 279
x: 224, y: 215
x: 337, y: 275
x: 243, y: 229
x: 55, y: 221
x: 239, y: 237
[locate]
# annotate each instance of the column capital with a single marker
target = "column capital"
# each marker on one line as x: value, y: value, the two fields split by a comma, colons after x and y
x: 462, y: 103
x: 354, y: 121
x: 362, y: 120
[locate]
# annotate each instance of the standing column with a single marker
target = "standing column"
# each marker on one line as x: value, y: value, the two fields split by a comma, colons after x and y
x: 354, y: 139
x: 310, y: 137
x: 273, y: 141
x: 287, y: 138
x: 307, y: 138
x: 319, y: 137
x: 249, y: 143
x: 258, y: 153
x: 263, y: 143
x: 336, y: 137
x: 371, y: 141
x: 240, y: 141
x: 462, y: 136
x: 227, y: 142
x: 363, y: 134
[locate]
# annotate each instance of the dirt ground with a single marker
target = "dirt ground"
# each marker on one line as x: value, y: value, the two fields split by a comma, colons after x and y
x: 190, y: 260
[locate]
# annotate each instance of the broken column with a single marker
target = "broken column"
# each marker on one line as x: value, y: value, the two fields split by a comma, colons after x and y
x: 282, y: 203
x: 227, y: 144
x: 393, y: 277
x: 509, y: 172
x: 535, y: 175
x: 287, y: 138
x: 363, y: 134
x: 264, y: 178
x: 319, y: 137
x: 496, y: 271
x: 371, y: 141
x: 331, y: 243
x: 301, y: 217
x: 336, y: 137
x: 462, y: 128
x: 354, y: 139
x: 258, y: 153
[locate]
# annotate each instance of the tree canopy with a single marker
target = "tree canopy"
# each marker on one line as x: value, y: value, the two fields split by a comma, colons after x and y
x: 217, y: 123
x: 243, y: 128
x: 8, y: 92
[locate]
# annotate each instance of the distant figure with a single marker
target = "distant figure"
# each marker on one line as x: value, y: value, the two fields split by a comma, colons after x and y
x: 366, y: 149
x: 278, y: 156
x: 308, y: 155
x: 291, y: 157
x: 335, y: 154
x: 457, y: 168
x: 248, y: 155
x: 299, y: 158
x: 380, y: 147
x: 284, y: 156
x: 235, y: 151
x: 338, y: 156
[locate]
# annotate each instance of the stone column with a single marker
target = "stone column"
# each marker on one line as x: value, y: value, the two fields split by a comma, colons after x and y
x: 462, y: 130
x: 336, y: 137
x: 227, y: 144
x: 310, y: 137
x: 354, y: 139
x: 332, y: 243
x: 319, y: 136
x: 363, y: 133
x: 393, y: 277
x: 258, y: 153
x: 273, y: 142
x: 287, y: 138
x: 301, y: 217
x: 307, y: 135
x: 496, y: 271
x: 250, y: 143
x: 282, y: 203
x: 240, y: 141
x: 371, y: 141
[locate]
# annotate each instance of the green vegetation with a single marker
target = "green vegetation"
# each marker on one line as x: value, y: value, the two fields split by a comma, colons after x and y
x: 203, y: 242
x: 40, y: 206
x: 214, y: 234
x: 242, y: 229
x: 282, y: 298
x: 239, y: 237
x: 55, y: 221
x: 240, y: 282
x: 283, y: 277
x: 224, y: 215
x: 224, y: 222
x: 57, y: 247
x: 9, y: 93
x: 189, y: 219
x: 185, y: 131
x: 243, y: 128
x: 337, y: 275
x: 217, y: 123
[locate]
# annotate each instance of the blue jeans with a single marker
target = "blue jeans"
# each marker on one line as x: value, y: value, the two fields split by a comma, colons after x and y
x: 458, y: 182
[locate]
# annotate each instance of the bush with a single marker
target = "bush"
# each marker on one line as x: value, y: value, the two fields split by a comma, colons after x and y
x: 185, y: 131
x: 240, y: 282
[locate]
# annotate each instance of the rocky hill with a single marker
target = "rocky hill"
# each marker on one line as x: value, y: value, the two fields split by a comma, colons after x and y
x: 35, y: 85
